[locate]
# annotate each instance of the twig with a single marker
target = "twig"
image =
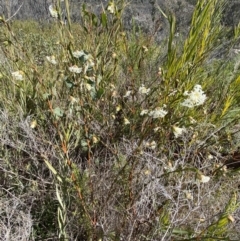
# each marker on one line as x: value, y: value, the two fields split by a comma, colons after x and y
x: 14, y: 13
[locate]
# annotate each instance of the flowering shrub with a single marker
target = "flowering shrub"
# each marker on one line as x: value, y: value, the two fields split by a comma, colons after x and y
x: 195, y: 97
x: 110, y: 136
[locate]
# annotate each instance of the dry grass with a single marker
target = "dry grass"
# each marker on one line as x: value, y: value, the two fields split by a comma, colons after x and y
x: 80, y: 160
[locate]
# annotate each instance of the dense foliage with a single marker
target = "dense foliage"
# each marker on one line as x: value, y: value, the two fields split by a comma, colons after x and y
x: 107, y: 135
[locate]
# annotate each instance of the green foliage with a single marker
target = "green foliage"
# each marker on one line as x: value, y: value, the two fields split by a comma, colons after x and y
x: 129, y: 135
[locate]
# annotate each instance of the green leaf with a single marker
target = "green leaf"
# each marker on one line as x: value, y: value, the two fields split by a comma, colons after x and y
x: 94, y: 20
x: 52, y: 169
x: 100, y: 53
x: 99, y: 93
x: 84, y: 145
x: 47, y: 96
x: 85, y: 29
x: 69, y: 83
x: 104, y: 19
x: 58, y: 112
x: 59, y: 198
x: 181, y: 231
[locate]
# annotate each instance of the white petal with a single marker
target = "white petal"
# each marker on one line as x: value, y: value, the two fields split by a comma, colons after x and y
x: 204, y: 179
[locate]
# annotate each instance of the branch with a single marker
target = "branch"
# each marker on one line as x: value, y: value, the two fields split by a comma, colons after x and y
x: 14, y: 13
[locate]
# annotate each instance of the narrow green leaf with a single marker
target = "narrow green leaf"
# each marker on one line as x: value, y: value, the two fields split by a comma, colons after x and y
x: 104, y: 19
x: 180, y: 231
x: 161, y: 11
x: 94, y: 20
x: 59, y: 198
x: 52, y: 169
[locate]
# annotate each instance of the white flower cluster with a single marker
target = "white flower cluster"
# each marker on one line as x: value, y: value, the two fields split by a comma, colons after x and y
x: 78, y: 53
x: 143, y: 90
x: 111, y: 7
x: 204, y: 179
x: 53, y: 12
x: 75, y: 69
x: 51, y: 59
x: 18, y: 75
x: 127, y: 94
x: 195, y: 98
x: 151, y: 145
x: 156, y: 113
x: 178, y: 131
x: 87, y: 58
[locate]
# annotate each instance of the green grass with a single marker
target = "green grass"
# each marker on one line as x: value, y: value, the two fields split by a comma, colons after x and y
x: 132, y: 145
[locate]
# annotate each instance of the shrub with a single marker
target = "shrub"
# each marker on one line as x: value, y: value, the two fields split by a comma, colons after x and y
x: 110, y: 136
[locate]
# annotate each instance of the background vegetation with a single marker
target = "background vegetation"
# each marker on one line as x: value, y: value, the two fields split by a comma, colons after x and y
x: 107, y: 135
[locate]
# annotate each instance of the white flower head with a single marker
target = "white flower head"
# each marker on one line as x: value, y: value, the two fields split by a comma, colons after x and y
x: 51, y: 59
x: 53, y: 11
x: 145, y: 49
x: 114, y: 94
x: 210, y: 157
x: 160, y: 71
x: 178, y: 131
x: 75, y: 69
x: 158, y: 113
x: 88, y: 57
x: 18, y: 75
x: 112, y: 87
x: 203, y: 178
x: 147, y: 172
x: 195, y: 98
x: 88, y: 86
x: 118, y: 108
x: 126, y: 121
x: 143, y: 90
x: 82, y: 54
x: 144, y: 112
x: 111, y: 7
x: 192, y: 120
x: 95, y: 139
x: 231, y: 218
x: 78, y: 53
x: 151, y: 145
x: 89, y: 65
x: 33, y: 124
x: 188, y: 195
x: 127, y: 94
x: 156, y: 129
